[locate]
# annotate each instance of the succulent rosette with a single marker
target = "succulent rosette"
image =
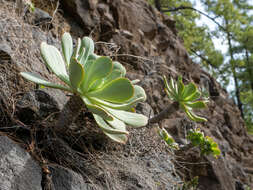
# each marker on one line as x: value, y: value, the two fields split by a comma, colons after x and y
x: 188, y: 97
x: 100, y: 83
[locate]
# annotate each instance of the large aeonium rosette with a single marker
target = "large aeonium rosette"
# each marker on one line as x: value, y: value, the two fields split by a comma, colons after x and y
x: 99, y: 82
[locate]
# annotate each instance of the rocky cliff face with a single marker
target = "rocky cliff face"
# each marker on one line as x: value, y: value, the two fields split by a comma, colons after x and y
x: 144, y: 41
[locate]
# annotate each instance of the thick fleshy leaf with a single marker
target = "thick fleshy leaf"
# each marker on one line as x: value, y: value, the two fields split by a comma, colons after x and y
x: 120, y: 138
x: 118, y: 71
x: 93, y: 56
x: 54, y: 61
x: 116, y: 91
x: 39, y: 80
x: 193, y: 116
x: 119, y: 66
x: 107, y: 128
x: 135, y: 81
x: 173, y: 89
x: 216, y: 151
x: 139, y: 92
x: 170, y: 94
x: 112, y: 76
x: 196, y: 105
x: 180, y: 85
x: 165, y: 82
x: 67, y: 47
x: 97, y: 84
x: 117, y: 124
x: 124, y: 106
x: 97, y: 110
x: 189, y: 90
x: 166, y: 136
x: 96, y: 70
x: 139, y: 96
x: 172, y: 85
x: 193, y: 97
x: 132, y: 119
x: 76, y: 73
x: 87, y: 48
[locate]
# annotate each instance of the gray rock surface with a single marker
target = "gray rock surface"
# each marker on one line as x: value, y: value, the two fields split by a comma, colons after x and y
x: 66, y: 179
x: 18, y: 170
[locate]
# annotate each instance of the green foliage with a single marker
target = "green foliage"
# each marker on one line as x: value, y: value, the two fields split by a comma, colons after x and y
x: 187, y: 96
x: 205, y: 143
x: 247, y: 99
x: 168, y: 139
x: 99, y: 82
x: 30, y: 5
x: 191, y: 185
x: 197, y: 39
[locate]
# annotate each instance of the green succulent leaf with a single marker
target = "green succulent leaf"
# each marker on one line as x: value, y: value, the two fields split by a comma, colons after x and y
x: 189, y: 90
x: 173, y: 90
x: 171, y: 84
x: 170, y: 94
x: 121, y: 129
x: 139, y: 96
x: 93, y: 56
x: 54, y: 61
x: 95, y: 109
x: 116, y: 91
x: 96, y: 70
x: 138, y: 93
x: 118, y: 71
x: 120, y: 138
x: 168, y: 88
x: 39, y: 80
x: 180, y: 85
x: 120, y: 67
x: 135, y: 81
x: 167, y: 138
x: 191, y: 115
x: 117, y: 124
x: 87, y: 48
x: 193, y: 97
x: 216, y: 151
x: 97, y: 84
x: 112, y: 76
x: 76, y: 73
x: 67, y: 47
x: 133, y: 119
x: 165, y: 82
x: 196, y: 105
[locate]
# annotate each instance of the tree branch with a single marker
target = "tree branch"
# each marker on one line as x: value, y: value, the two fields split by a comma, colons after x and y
x: 170, y: 109
x: 202, y: 57
x: 191, y: 8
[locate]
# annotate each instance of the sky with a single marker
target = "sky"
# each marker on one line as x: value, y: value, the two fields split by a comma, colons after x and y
x: 206, y: 21
x: 218, y: 43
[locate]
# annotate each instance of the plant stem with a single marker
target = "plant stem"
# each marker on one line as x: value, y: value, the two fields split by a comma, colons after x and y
x: 170, y: 109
